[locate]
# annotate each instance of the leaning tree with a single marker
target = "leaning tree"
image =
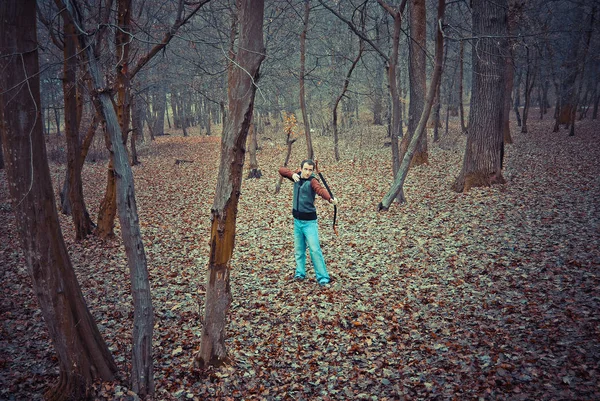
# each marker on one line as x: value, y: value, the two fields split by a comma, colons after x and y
x: 82, y: 354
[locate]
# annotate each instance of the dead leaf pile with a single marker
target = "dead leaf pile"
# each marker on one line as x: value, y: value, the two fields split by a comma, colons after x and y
x: 493, y: 294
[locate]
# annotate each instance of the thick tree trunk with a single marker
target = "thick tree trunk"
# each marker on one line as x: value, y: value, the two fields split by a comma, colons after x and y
x: 142, y: 379
x: 242, y: 89
x: 509, y: 72
x: 417, y: 79
x: 309, y: 147
x: 483, y: 155
x: 422, y: 126
x: 82, y: 354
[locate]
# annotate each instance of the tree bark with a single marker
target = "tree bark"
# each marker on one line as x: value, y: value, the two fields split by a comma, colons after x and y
x: 72, y: 195
x: 339, y: 98
x: 422, y: 126
x: 309, y: 147
x: 242, y: 89
x: 82, y: 354
x: 142, y: 379
x: 530, y: 77
x: 254, y: 170
x: 461, y: 78
x: 417, y: 79
x: 392, y: 64
x: 482, y: 162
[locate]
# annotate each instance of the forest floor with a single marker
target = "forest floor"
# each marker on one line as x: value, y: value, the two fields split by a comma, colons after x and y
x: 492, y: 294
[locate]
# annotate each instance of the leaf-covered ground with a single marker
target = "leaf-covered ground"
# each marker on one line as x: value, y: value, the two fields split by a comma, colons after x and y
x: 493, y: 294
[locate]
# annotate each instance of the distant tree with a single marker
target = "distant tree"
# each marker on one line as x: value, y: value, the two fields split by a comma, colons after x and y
x: 309, y: 151
x: 417, y: 78
x: 254, y: 170
x: 82, y: 354
x: 421, y: 129
x: 482, y: 161
x: 241, y: 91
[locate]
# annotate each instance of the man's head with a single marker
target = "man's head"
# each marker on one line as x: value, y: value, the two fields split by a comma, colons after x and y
x: 307, y: 166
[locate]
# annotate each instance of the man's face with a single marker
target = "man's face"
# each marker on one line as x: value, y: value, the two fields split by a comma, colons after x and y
x: 307, y: 170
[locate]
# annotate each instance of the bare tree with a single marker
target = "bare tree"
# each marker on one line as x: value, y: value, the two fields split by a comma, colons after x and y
x: 422, y: 126
x: 482, y: 162
x: 142, y: 377
x: 82, y: 354
x: 309, y: 148
x: 417, y: 80
x: 241, y: 91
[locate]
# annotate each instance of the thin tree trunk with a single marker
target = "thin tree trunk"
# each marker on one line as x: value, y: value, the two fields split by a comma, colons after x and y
x: 582, y: 61
x: 242, y: 89
x: 517, y: 98
x: 82, y: 354
x: 530, y: 78
x: 422, y: 126
x: 339, y: 98
x: 396, y: 125
x: 142, y: 379
x: 254, y: 170
x: 461, y: 78
x: 309, y: 147
x: 72, y: 196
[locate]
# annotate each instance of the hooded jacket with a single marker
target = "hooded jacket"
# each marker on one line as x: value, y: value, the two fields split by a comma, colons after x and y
x: 305, y: 191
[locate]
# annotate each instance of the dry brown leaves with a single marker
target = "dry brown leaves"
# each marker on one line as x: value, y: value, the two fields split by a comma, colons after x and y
x: 491, y: 294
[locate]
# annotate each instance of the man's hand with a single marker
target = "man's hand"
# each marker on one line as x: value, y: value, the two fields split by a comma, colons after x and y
x: 296, y: 177
x: 333, y: 201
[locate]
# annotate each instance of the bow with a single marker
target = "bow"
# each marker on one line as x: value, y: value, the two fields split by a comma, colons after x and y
x: 330, y: 194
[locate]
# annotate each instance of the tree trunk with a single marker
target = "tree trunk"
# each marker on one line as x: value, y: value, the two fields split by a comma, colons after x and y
x: 417, y: 79
x: 142, y: 379
x: 159, y: 106
x: 290, y: 123
x: 570, y: 66
x: 483, y: 155
x: 422, y: 126
x: 137, y: 125
x: 309, y: 147
x: 254, y: 170
x: 82, y: 354
x: 530, y: 77
x: 581, y: 67
x: 378, y: 90
x: 72, y: 195
x: 510, y: 72
x: 396, y: 126
x: 242, y: 89
x: 461, y: 78
x: 517, y: 97
x: 339, y: 98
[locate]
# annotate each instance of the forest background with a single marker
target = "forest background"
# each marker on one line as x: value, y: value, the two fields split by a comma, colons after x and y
x: 460, y: 291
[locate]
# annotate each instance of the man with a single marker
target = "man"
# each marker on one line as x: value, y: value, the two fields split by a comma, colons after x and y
x: 306, y: 231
